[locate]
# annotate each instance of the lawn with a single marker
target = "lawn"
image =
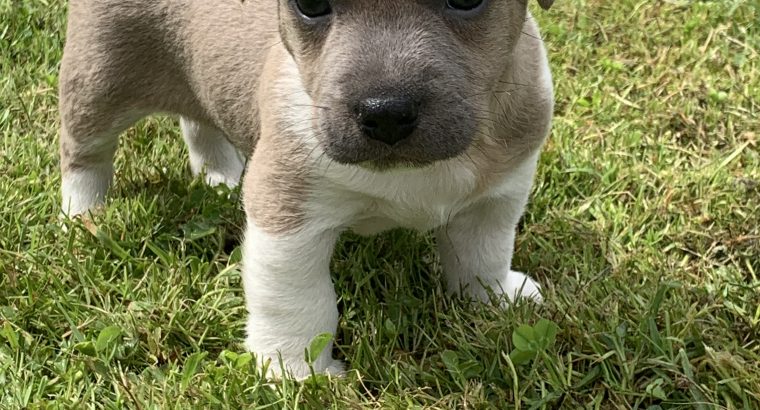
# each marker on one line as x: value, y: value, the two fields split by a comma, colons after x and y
x: 644, y: 229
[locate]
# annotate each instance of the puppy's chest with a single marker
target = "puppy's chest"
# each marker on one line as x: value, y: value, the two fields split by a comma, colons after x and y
x: 416, y: 199
x: 382, y: 215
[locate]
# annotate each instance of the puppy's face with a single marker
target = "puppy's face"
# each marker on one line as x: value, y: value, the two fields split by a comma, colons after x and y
x: 400, y: 82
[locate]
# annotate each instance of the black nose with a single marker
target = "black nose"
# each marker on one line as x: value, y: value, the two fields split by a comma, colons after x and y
x: 388, y: 119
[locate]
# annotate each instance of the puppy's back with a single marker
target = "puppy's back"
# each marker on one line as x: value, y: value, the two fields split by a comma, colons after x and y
x: 195, y: 58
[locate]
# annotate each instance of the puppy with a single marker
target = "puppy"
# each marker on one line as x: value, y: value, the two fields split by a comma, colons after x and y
x: 364, y: 115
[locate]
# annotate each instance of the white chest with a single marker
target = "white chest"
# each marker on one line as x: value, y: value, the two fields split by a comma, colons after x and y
x: 369, y: 202
x: 411, y: 198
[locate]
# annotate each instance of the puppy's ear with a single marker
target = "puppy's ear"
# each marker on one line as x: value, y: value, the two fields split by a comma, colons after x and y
x: 545, y: 4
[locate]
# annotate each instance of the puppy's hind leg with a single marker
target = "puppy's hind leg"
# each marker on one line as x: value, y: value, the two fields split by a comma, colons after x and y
x: 212, y: 154
x: 88, y: 141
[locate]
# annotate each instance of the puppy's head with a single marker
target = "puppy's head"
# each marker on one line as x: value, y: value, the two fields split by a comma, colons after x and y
x: 400, y: 82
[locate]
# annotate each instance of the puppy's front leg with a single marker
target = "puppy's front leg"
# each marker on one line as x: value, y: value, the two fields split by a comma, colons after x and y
x: 290, y: 297
x: 476, y: 249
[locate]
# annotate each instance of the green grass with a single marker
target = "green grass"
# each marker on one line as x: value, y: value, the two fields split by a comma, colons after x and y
x: 643, y: 228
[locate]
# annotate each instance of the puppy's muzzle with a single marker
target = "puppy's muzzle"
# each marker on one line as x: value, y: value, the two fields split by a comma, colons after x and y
x: 388, y: 119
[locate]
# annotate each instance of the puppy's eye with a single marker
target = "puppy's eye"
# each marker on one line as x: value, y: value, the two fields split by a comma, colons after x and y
x: 463, y: 4
x: 314, y: 8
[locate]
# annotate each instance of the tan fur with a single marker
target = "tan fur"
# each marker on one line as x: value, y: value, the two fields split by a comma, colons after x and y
x: 278, y: 175
x: 527, y: 115
x: 126, y: 59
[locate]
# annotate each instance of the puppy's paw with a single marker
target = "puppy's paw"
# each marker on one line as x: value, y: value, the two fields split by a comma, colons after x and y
x: 84, y: 190
x: 336, y: 368
x: 513, y: 285
x: 291, y: 364
x: 519, y: 285
x: 229, y: 179
x: 299, y: 370
x: 226, y: 169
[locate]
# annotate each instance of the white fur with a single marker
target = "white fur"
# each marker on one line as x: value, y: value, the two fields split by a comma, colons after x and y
x: 290, y: 297
x: 84, y: 190
x: 412, y: 198
x: 212, y: 154
x: 476, y: 249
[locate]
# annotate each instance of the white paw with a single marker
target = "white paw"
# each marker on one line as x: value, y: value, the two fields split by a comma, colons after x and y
x: 519, y: 285
x: 84, y: 190
x: 298, y: 369
x: 214, y: 178
x: 291, y: 361
x: 514, y: 285
x: 224, y: 168
x: 336, y: 368
x: 212, y: 154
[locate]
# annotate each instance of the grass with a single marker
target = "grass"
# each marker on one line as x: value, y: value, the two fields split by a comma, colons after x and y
x: 644, y: 228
